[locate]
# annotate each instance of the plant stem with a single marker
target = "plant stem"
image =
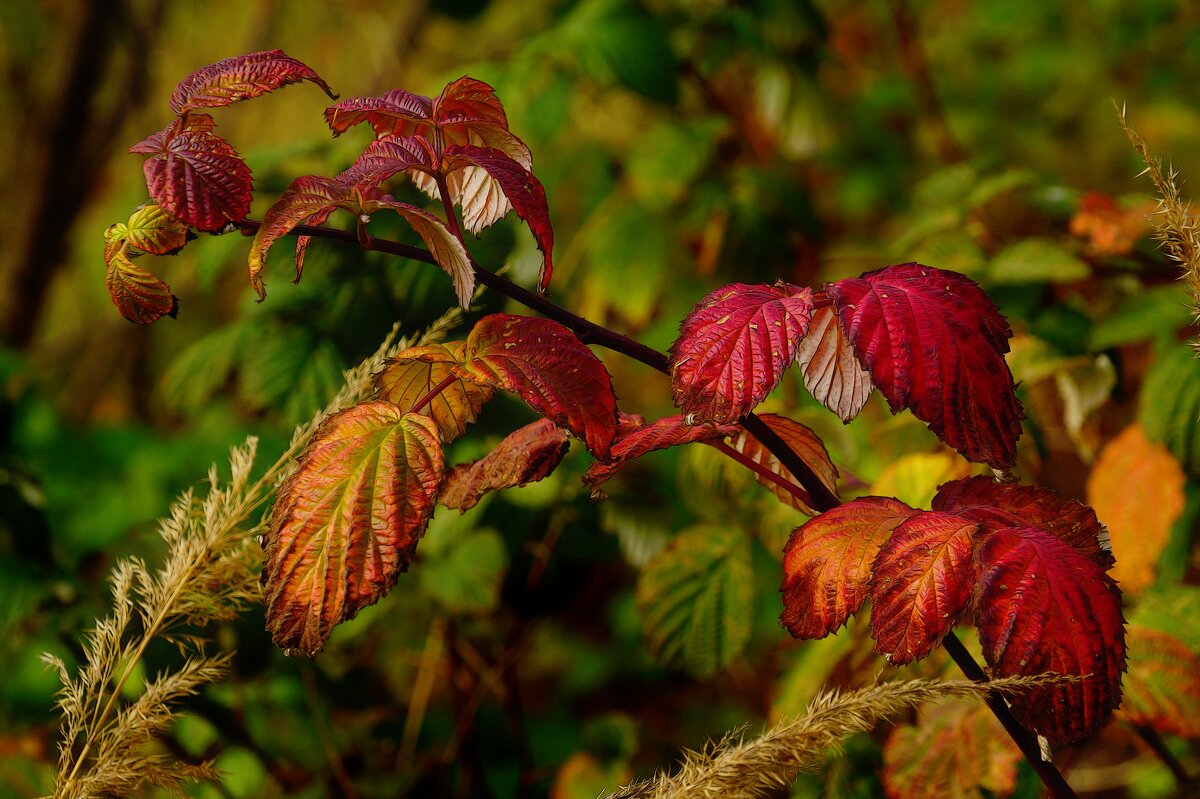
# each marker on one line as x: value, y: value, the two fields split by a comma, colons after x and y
x: 1028, y: 743
x: 1159, y: 747
x: 821, y: 498
x: 756, y: 467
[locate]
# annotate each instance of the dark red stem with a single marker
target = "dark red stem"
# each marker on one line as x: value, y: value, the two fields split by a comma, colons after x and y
x: 821, y: 498
x: 433, y: 392
x: 756, y: 467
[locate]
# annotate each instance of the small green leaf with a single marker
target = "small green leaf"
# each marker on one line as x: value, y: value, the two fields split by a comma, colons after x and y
x: 696, y: 599
x: 1143, y: 316
x: 1036, y: 261
x: 465, y: 577
x: 1170, y: 404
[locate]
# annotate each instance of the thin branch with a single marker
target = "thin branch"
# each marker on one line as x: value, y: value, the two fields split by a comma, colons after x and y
x: 762, y: 471
x: 1159, y: 747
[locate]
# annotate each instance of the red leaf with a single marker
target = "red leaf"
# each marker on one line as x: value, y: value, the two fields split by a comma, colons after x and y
x: 548, y: 367
x: 956, y: 749
x: 348, y: 520
x: 312, y: 199
x: 1162, y: 689
x: 832, y: 373
x: 489, y: 182
x: 388, y: 156
x: 635, y: 442
x: 195, y: 174
x: 524, y: 456
x: 241, y: 78
x: 416, y: 371
x: 141, y: 297
x: 734, y: 346
x: 1044, y: 607
x: 922, y: 583
x: 996, y: 505
x: 935, y: 343
x: 827, y: 563
x: 805, y: 443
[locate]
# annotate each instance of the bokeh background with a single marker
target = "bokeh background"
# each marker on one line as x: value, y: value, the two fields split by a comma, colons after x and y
x: 683, y: 144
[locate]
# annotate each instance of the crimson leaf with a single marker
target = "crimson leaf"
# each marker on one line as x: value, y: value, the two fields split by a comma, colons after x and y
x: 548, y: 367
x: 827, y: 563
x: 1042, y: 606
x: 935, y: 343
x: 195, y: 174
x: 241, y: 78
x: 922, y: 582
x: 734, y: 346
x: 662, y: 433
x: 524, y: 456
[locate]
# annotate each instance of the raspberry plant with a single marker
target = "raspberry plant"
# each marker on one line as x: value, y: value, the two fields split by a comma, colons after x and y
x: 1028, y: 568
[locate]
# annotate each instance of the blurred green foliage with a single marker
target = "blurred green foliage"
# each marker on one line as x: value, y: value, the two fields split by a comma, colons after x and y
x: 683, y: 144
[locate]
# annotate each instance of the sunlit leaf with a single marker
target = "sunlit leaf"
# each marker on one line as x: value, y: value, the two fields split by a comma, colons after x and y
x: 734, y: 346
x: 997, y: 505
x: 828, y: 560
x: 1042, y: 606
x: 149, y: 229
x: 922, y: 583
x: 934, y: 343
x: 547, y: 366
x: 805, y: 443
x: 141, y: 297
x: 914, y: 478
x: 832, y: 373
x: 501, y: 182
x: 241, y: 78
x: 416, y: 371
x: 1136, y: 488
x: 195, y: 175
x: 347, y: 522
x: 956, y: 750
x: 1162, y: 688
x: 524, y: 456
x: 670, y: 431
x: 696, y: 599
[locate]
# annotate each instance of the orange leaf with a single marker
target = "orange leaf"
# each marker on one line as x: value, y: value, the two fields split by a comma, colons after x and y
x: 1136, y: 488
x: 956, y: 750
x: 827, y: 563
x: 414, y: 372
x: 524, y: 456
x: 241, y: 78
x: 140, y: 296
x: 348, y: 520
x: 636, y: 439
x: 803, y: 442
x: 1162, y: 688
x: 547, y: 366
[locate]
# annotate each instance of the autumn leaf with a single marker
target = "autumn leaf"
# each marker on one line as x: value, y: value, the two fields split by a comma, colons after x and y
x: 524, y: 456
x: 636, y: 440
x: 734, y: 346
x: 1042, y: 606
x: 997, y: 505
x: 195, y: 175
x: 241, y: 78
x: 312, y: 198
x: 149, y: 229
x: 1162, y: 688
x: 801, y: 440
x: 831, y: 371
x: 922, y: 582
x: 347, y: 522
x: 828, y: 560
x: 1136, y: 488
x: 956, y: 750
x: 1109, y: 229
x: 141, y: 297
x: 547, y: 366
x: 416, y: 371
x: 934, y: 343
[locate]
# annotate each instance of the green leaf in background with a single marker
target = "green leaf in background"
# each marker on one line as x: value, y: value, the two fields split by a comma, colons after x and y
x: 196, y: 374
x: 625, y: 279
x: 465, y: 574
x: 667, y: 159
x: 1157, y: 311
x: 616, y: 40
x: 289, y: 369
x: 1174, y: 609
x: 1170, y: 403
x: 1036, y: 261
x: 696, y: 599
